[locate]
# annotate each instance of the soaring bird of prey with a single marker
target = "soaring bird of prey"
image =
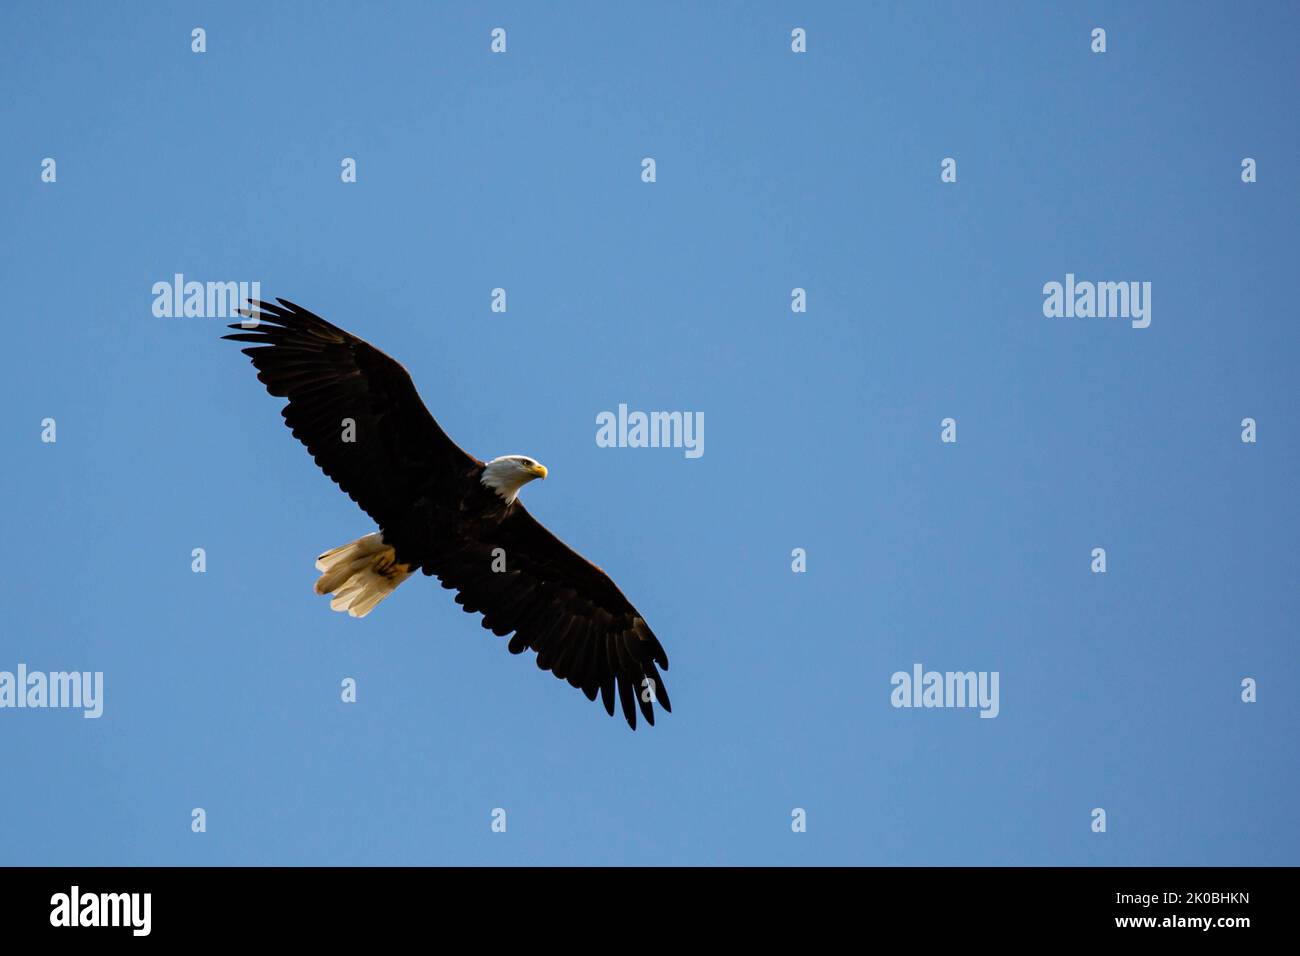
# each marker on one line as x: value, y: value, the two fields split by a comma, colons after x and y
x: 442, y: 511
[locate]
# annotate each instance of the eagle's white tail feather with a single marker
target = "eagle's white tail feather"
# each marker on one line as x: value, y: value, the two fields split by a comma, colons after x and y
x: 360, y: 574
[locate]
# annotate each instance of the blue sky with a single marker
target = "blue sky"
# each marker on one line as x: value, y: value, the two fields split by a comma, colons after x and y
x: 775, y: 170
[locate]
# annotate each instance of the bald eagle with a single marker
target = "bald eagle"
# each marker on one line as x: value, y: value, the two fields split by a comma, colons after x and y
x: 442, y: 511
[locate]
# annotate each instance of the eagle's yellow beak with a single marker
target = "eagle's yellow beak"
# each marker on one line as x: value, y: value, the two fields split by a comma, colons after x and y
x: 539, y: 471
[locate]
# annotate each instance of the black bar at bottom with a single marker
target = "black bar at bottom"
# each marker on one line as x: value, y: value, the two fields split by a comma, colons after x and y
x: 207, y: 905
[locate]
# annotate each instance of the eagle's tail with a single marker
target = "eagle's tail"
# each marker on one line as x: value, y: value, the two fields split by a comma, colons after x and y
x: 360, y: 574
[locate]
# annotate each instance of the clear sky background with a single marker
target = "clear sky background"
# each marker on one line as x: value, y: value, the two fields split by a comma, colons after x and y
x: 775, y: 170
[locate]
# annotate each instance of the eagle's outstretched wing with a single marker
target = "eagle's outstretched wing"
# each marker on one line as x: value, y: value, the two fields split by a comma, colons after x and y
x: 359, y: 415
x: 562, y: 606
x: 354, y: 408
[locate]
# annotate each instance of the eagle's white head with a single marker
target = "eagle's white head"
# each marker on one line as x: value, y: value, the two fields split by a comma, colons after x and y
x: 507, y: 474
